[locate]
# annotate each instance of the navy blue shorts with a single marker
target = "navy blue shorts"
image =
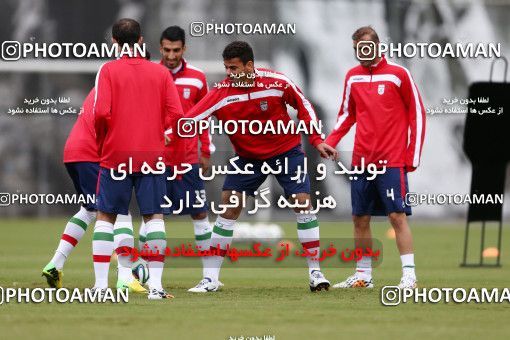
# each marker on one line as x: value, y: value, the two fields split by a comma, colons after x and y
x: 382, y: 195
x: 190, y: 185
x: 250, y: 183
x: 84, y: 176
x: 113, y: 196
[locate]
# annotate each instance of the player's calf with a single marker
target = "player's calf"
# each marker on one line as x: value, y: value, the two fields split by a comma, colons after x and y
x: 73, y: 232
x: 156, y: 241
x: 308, y: 234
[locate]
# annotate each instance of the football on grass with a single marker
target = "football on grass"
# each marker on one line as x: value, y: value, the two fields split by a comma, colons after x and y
x: 140, y: 271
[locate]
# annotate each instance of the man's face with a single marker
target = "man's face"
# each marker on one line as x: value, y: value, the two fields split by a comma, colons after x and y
x: 366, y: 49
x: 172, y: 52
x: 238, y: 71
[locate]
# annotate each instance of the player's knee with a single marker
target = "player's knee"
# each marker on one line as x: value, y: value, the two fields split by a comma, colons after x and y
x: 225, y: 196
x: 103, y: 216
x: 147, y: 218
x: 361, y: 222
x: 397, y: 220
x: 232, y: 213
x: 301, y: 199
x: 199, y: 216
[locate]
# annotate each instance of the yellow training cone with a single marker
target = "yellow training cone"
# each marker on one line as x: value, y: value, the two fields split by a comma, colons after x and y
x: 390, y: 233
x: 490, y: 252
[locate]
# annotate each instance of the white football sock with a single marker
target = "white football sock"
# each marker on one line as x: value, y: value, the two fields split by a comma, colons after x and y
x: 222, y: 234
x: 408, y: 265
x: 364, y: 267
x: 102, y: 249
x: 203, y: 232
x: 73, y: 232
x: 156, y: 240
x: 123, y: 242
x: 142, y: 235
x: 308, y: 234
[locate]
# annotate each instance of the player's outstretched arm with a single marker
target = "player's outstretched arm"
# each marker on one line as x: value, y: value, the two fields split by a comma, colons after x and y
x: 206, y: 145
x: 305, y: 111
x: 172, y: 113
x: 327, y: 151
x: 346, y: 117
x: 173, y: 107
x: 206, y: 107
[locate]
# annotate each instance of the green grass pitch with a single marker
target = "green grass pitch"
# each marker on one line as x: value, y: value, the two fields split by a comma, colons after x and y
x: 254, y: 301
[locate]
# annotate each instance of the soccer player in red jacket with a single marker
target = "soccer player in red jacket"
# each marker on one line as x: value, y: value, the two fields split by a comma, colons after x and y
x: 136, y: 102
x: 384, y: 102
x: 81, y: 159
x: 263, y: 102
x: 192, y: 87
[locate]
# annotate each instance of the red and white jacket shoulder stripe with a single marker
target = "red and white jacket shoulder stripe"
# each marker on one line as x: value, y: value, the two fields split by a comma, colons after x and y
x: 386, y: 105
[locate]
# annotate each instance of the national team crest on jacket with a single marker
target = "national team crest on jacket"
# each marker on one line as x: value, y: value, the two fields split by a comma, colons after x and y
x: 186, y: 92
x: 380, y: 89
x: 263, y: 105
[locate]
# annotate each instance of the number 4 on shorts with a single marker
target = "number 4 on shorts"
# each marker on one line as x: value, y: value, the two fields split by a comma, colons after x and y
x: 389, y: 193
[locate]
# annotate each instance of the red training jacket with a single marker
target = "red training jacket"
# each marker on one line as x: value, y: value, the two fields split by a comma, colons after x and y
x: 136, y: 102
x: 192, y: 87
x: 265, y: 101
x: 386, y: 106
x: 81, y: 143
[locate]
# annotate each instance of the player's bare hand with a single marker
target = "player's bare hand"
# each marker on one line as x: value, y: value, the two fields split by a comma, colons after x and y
x: 327, y: 151
x: 205, y: 164
x: 167, y: 140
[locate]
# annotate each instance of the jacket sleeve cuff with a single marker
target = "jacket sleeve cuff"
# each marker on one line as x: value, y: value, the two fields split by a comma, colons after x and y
x: 316, y: 140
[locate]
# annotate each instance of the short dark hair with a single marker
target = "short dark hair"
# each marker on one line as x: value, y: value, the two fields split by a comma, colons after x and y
x: 238, y: 49
x: 173, y: 33
x: 360, y: 32
x: 126, y: 31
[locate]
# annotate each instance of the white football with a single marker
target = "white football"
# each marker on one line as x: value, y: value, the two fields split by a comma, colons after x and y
x: 140, y: 271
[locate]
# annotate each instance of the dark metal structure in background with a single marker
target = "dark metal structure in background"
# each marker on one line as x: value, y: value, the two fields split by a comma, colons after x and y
x: 486, y: 145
